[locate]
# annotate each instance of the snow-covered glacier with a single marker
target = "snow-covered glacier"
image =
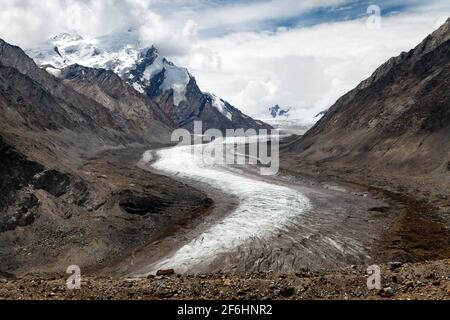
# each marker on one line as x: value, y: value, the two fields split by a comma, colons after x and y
x: 264, y: 208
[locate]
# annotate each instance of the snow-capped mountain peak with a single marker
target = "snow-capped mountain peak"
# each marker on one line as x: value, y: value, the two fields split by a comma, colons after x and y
x: 122, y: 53
x: 151, y: 67
x: 277, y: 111
x: 65, y: 36
x: 142, y: 67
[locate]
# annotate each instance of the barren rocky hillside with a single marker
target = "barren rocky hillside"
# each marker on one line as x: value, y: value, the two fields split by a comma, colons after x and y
x: 395, y: 123
x: 391, y: 134
x: 62, y: 194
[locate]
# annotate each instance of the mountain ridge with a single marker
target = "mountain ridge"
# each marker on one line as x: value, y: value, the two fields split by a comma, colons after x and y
x: 396, y: 121
x: 173, y: 88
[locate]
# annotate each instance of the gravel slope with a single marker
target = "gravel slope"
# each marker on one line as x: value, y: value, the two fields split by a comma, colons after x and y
x: 428, y: 280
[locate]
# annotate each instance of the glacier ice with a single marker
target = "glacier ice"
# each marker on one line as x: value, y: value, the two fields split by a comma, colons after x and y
x: 264, y: 209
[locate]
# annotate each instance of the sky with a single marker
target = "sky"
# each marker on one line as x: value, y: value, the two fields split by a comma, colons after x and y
x: 301, y: 54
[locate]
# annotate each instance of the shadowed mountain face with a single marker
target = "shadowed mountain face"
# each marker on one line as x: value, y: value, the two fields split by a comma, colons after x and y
x: 108, y: 89
x: 397, y: 121
x: 33, y: 100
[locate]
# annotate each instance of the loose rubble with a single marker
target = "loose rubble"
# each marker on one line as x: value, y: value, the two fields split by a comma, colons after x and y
x: 427, y: 280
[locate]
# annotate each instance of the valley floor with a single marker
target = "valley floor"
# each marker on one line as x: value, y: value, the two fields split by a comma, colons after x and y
x: 350, y: 221
x: 340, y: 226
x: 352, y: 224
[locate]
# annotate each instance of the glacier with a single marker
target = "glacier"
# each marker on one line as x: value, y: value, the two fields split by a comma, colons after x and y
x: 264, y: 209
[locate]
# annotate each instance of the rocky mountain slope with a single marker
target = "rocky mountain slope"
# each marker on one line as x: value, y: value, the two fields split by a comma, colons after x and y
x: 391, y: 134
x: 108, y: 89
x: 33, y: 99
x: 395, y: 123
x: 144, y: 69
x: 65, y: 199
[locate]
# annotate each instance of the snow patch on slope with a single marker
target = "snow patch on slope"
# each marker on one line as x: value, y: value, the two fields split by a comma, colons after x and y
x: 220, y: 106
x: 138, y: 87
x: 53, y: 71
x: 175, y: 78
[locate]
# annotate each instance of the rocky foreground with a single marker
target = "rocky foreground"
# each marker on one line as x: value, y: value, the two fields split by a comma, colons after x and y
x: 427, y: 280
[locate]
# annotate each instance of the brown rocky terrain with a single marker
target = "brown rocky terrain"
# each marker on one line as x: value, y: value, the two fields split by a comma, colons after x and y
x: 92, y: 216
x: 419, y: 281
x: 65, y: 197
x: 108, y: 89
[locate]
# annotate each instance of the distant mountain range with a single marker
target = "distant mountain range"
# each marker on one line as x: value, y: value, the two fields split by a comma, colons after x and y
x: 277, y: 111
x: 283, y: 119
x: 171, y: 87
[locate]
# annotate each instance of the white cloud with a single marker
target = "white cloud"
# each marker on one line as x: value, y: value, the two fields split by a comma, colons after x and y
x: 238, y: 15
x: 26, y: 22
x: 306, y: 68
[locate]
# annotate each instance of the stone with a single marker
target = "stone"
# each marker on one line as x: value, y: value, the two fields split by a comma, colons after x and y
x: 242, y: 293
x: 288, y: 292
x: 273, y: 286
x: 387, y: 292
x: 409, y: 284
x: 437, y: 283
x: 165, y: 294
x: 430, y: 276
x: 227, y: 282
x: 395, y: 265
x: 167, y: 272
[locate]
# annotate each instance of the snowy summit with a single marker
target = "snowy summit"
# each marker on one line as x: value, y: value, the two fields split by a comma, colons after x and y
x: 122, y: 53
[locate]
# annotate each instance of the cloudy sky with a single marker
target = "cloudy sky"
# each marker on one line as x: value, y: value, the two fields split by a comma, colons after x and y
x: 302, y: 54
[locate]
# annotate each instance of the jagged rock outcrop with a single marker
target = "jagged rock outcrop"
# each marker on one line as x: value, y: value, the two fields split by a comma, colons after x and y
x: 108, y: 89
